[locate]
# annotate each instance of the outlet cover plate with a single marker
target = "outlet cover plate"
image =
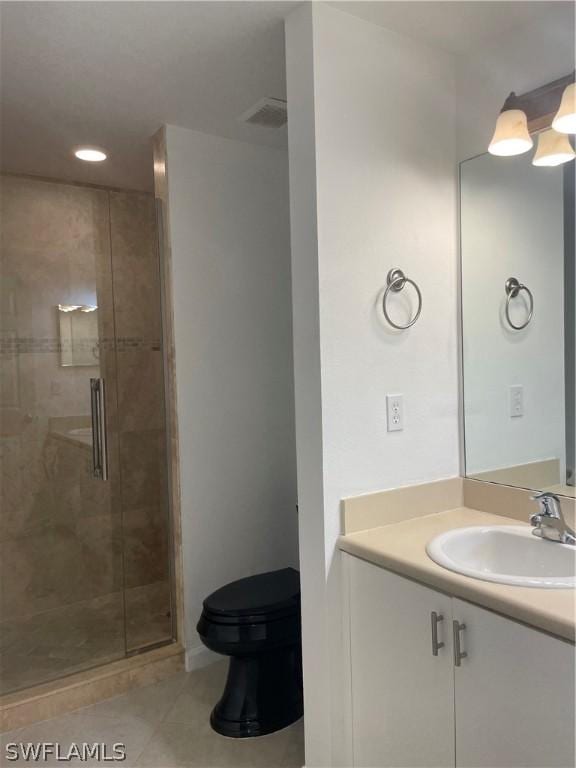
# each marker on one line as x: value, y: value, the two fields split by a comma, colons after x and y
x: 395, y: 412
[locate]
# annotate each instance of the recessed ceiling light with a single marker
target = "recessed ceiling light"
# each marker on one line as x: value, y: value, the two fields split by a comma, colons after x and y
x: 90, y: 154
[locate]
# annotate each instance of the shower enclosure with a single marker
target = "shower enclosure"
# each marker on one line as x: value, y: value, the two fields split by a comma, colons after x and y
x: 85, y: 564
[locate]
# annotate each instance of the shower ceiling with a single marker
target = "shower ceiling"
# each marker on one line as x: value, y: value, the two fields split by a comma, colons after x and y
x: 111, y: 73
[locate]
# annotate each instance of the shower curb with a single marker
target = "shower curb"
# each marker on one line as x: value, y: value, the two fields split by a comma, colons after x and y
x: 82, y: 689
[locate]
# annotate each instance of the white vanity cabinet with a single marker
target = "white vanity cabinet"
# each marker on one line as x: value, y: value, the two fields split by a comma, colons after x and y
x: 514, y: 694
x: 510, y: 703
x: 402, y: 695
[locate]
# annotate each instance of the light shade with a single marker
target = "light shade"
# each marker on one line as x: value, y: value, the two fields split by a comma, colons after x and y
x: 565, y: 120
x: 90, y: 154
x: 553, y: 149
x: 511, y: 135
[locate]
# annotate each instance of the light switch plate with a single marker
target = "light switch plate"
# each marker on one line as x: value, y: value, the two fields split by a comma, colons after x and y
x: 395, y: 412
x: 516, y: 393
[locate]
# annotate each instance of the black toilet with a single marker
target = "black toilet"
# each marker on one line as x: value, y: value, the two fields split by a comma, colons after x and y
x: 256, y: 621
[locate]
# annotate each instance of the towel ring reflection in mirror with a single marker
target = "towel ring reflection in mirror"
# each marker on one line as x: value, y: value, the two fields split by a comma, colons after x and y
x: 396, y: 281
x: 513, y: 287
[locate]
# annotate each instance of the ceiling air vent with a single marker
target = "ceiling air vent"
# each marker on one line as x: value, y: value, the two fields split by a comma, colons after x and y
x: 268, y: 112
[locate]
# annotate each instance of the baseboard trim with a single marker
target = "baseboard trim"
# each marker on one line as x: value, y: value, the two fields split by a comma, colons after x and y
x: 196, y: 658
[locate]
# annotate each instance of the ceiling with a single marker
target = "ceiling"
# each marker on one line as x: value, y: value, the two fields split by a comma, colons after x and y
x: 111, y: 73
x: 455, y: 26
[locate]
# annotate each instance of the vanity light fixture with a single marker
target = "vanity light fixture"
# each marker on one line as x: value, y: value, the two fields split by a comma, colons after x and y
x: 90, y: 154
x: 511, y: 135
x: 565, y: 120
x: 553, y: 149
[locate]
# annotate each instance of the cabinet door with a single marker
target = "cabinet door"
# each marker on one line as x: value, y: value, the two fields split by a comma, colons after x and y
x: 514, y: 694
x: 402, y: 695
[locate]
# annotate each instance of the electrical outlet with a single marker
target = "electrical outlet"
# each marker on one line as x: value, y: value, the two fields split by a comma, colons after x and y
x: 395, y: 412
x: 516, y: 395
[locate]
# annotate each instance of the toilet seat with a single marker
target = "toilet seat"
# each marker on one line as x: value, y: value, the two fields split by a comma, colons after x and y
x: 263, y: 598
x: 253, y: 614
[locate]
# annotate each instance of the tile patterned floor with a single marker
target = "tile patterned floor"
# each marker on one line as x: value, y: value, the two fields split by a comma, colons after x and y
x: 165, y: 725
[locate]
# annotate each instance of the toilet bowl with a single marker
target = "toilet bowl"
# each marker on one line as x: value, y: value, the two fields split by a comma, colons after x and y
x: 256, y: 622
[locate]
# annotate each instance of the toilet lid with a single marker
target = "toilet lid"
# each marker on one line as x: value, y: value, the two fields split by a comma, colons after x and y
x: 255, y: 595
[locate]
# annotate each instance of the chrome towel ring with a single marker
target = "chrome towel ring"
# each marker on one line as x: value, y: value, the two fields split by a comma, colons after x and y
x: 396, y: 280
x: 513, y: 286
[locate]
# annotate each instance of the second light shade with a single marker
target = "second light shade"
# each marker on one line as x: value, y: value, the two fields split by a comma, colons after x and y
x: 553, y: 149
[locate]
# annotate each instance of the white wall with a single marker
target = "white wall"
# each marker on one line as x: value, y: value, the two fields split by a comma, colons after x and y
x: 229, y: 229
x: 373, y: 186
x: 524, y: 208
x: 373, y: 145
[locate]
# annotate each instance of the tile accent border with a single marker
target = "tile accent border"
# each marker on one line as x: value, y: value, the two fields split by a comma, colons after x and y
x: 43, y: 702
x: 21, y: 345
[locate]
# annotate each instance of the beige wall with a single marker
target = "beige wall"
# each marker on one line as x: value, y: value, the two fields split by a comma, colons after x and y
x: 69, y: 544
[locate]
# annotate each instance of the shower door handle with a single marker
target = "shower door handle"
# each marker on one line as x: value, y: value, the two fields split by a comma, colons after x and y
x: 99, y: 444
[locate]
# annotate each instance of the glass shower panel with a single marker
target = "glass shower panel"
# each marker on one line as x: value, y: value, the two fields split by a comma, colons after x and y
x: 61, y: 567
x: 141, y: 419
x: 84, y: 561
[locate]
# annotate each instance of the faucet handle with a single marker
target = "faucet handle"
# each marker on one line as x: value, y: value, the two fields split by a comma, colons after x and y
x: 549, y: 503
x: 549, y: 521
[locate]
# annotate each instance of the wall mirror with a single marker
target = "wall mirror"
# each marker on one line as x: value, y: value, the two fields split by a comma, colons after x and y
x: 78, y: 331
x: 518, y: 322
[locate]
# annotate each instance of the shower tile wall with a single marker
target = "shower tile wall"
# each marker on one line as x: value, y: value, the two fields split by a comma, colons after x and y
x: 141, y: 417
x: 83, y: 564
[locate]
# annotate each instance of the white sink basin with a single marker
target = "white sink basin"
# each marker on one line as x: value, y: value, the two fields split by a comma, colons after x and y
x: 508, y: 554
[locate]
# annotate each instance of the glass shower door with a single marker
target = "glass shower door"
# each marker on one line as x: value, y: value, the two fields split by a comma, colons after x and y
x: 84, y: 545
x: 62, y: 601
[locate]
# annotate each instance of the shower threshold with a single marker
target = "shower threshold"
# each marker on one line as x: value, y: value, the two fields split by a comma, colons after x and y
x: 82, y: 689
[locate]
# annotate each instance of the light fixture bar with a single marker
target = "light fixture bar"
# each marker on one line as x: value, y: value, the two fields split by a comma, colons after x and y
x: 531, y: 112
x: 541, y: 104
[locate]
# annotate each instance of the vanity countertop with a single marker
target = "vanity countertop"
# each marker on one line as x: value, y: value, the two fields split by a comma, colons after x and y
x: 401, y: 547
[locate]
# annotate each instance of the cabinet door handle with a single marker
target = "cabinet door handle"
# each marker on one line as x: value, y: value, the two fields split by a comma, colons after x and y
x: 436, y: 618
x: 458, y: 653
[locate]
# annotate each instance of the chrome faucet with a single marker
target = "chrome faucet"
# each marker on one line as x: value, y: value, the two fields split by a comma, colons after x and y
x: 549, y: 522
